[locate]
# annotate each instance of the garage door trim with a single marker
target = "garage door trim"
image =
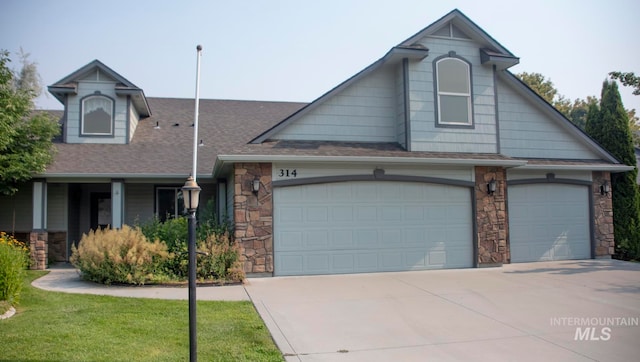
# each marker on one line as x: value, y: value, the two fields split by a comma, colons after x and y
x: 551, y: 179
x: 378, y: 175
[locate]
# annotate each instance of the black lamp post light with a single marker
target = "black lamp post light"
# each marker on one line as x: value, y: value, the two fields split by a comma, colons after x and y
x: 191, y: 195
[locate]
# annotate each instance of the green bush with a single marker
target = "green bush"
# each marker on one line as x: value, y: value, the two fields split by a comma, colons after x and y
x: 174, y: 234
x: 120, y: 256
x: 218, y: 257
x: 13, y: 261
x: 208, y: 223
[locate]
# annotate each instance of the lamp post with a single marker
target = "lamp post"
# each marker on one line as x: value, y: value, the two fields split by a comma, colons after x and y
x: 191, y: 195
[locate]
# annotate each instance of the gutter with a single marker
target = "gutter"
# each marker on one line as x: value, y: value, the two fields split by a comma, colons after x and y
x: 118, y: 175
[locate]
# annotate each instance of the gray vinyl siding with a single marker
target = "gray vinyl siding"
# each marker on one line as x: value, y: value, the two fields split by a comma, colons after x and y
x: 57, y: 196
x: 363, y: 112
x: 106, y: 88
x: 139, y: 203
x: 525, y: 131
x: 425, y: 135
x: 20, y: 206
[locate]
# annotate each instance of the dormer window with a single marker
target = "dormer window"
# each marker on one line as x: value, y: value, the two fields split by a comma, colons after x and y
x: 97, y: 116
x: 453, y: 98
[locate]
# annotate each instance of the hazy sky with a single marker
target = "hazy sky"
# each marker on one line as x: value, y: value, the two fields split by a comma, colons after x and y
x: 298, y: 50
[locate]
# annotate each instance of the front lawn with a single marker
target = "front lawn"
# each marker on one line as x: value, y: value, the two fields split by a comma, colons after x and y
x: 51, y: 326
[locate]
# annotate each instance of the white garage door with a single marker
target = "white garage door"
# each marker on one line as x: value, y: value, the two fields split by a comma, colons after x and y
x: 549, y: 222
x: 351, y: 227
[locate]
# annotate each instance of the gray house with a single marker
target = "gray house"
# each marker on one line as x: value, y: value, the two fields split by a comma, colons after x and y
x: 435, y: 156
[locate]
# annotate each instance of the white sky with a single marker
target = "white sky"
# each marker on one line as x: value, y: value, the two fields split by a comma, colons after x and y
x: 298, y: 50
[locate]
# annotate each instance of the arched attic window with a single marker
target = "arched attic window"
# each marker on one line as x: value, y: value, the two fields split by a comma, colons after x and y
x: 97, y: 116
x: 453, y: 98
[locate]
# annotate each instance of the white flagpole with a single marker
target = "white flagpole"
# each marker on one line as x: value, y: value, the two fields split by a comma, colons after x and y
x: 195, y: 120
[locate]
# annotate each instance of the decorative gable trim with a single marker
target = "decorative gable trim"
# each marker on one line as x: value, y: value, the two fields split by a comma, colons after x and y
x: 69, y: 85
x: 395, y: 55
x: 457, y: 19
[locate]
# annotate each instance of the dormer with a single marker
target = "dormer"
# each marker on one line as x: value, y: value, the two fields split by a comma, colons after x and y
x: 100, y: 105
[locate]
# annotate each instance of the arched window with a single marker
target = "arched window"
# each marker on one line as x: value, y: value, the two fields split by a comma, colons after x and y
x: 454, y: 92
x: 97, y: 116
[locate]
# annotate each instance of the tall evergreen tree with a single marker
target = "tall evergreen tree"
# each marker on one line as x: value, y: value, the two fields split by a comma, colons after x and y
x: 609, y: 125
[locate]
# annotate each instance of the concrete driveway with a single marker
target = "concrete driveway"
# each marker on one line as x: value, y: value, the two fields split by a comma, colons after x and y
x: 559, y: 311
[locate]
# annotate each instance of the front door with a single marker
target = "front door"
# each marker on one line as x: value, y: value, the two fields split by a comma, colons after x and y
x: 100, y: 210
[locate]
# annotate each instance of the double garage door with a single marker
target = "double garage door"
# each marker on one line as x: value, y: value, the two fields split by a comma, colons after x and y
x: 549, y: 222
x: 352, y: 227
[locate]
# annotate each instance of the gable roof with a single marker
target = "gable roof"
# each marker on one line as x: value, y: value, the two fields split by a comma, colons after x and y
x: 69, y: 85
x: 409, y: 48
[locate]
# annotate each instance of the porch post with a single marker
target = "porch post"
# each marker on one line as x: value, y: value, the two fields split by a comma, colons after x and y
x: 39, y: 205
x: 38, y: 239
x: 117, y: 203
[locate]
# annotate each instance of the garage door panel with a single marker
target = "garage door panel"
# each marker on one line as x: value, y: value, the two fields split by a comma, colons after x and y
x: 549, y: 222
x: 342, y: 214
x: 372, y: 226
x: 317, y: 240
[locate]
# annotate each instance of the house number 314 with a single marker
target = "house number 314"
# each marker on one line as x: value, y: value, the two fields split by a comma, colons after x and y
x: 287, y: 173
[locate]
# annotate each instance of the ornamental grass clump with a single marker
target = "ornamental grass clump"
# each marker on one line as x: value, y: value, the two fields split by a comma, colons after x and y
x: 14, y: 258
x: 119, y: 256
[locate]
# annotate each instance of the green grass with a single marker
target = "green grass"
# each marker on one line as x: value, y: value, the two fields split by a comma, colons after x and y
x: 51, y: 326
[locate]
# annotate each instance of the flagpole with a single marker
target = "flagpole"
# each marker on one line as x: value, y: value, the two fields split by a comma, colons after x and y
x: 196, y: 114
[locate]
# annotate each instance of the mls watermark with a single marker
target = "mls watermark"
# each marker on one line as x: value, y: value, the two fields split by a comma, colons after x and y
x: 594, y: 328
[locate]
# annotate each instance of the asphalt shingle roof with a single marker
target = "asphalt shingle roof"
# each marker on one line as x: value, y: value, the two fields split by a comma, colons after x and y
x: 223, y: 125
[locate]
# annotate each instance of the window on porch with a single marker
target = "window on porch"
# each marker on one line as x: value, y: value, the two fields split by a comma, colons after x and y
x: 169, y: 203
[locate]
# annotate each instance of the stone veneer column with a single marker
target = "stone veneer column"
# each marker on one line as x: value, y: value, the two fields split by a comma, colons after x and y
x: 602, y: 217
x: 253, y: 216
x: 491, y: 217
x: 38, y: 245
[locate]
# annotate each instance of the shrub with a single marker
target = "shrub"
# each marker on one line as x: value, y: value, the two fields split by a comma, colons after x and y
x: 208, y: 222
x: 119, y: 256
x: 174, y: 234
x: 221, y: 260
x: 13, y: 261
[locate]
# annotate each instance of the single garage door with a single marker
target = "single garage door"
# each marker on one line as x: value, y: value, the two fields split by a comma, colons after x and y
x: 549, y: 222
x: 352, y: 227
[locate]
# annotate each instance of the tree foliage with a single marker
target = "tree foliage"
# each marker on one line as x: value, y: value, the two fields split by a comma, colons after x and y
x: 628, y: 79
x: 577, y: 110
x: 609, y: 125
x: 25, y: 136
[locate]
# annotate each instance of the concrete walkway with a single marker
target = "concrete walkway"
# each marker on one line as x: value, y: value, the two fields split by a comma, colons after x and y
x: 65, y: 279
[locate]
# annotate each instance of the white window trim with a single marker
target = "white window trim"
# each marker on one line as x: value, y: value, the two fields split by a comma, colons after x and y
x: 467, y: 95
x: 82, y: 112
